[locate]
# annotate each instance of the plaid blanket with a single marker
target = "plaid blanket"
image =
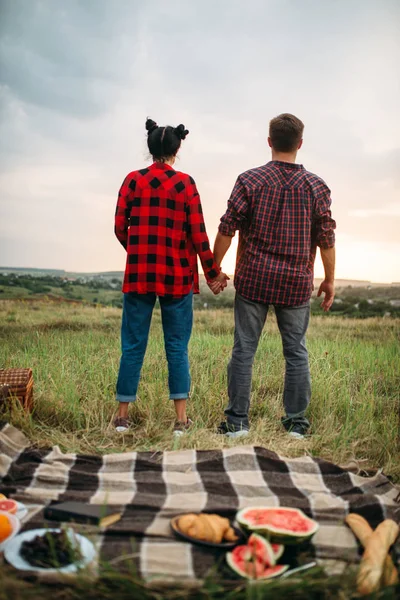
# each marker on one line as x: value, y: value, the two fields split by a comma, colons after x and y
x: 151, y: 488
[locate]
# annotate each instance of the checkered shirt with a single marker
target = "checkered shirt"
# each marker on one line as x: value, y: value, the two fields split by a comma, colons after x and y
x: 282, y: 213
x: 159, y: 221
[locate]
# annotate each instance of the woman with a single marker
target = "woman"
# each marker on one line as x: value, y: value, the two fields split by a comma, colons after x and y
x: 159, y: 222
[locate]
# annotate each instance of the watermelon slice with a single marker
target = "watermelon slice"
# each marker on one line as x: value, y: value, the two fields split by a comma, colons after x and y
x: 241, y: 561
x: 278, y: 550
x: 255, y: 560
x: 8, y: 506
x: 279, y: 524
x: 261, y: 550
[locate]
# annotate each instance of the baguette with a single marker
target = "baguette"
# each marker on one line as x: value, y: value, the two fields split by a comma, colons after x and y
x: 363, y: 531
x: 371, y: 567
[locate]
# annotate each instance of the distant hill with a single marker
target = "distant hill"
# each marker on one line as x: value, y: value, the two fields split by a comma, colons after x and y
x: 340, y: 283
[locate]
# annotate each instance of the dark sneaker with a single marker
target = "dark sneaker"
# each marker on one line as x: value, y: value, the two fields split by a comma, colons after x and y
x: 121, y: 425
x: 231, y: 431
x: 296, y: 428
x: 180, y: 427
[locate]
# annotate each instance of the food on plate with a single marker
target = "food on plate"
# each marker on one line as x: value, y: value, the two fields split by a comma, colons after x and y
x: 279, y: 524
x: 255, y: 560
x: 207, y: 528
x: 54, y: 549
x: 363, y: 531
x: 7, y: 505
x: 3, y: 497
x: 372, y: 562
x: 5, y: 528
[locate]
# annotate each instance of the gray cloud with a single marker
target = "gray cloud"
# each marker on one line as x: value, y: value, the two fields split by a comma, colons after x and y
x: 77, y: 80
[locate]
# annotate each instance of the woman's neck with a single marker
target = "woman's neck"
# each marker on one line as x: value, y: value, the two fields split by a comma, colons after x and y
x: 167, y: 161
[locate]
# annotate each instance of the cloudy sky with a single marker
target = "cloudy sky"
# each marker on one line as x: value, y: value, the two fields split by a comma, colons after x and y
x: 79, y: 77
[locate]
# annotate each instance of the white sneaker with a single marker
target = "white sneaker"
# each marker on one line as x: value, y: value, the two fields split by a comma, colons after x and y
x: 228, y: 431
x: 121, y: 425
x: 181, y: 428
x: 235, y: 434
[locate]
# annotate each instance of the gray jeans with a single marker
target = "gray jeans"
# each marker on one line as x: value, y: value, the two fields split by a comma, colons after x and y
x: 249, y: 322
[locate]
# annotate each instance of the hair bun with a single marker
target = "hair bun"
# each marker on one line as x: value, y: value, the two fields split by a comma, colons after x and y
x: 181, y: 132
x: 150, y: 126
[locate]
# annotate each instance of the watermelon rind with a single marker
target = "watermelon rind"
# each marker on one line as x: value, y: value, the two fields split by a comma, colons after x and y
x: 268, y: 550
x: 274, y: 534
x: 278, y: 550
x: 270, y: 572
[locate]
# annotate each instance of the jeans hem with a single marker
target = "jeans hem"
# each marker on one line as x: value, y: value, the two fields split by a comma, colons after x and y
x: 238, y: 425
x: 122, y: 398
x: 179, y: 396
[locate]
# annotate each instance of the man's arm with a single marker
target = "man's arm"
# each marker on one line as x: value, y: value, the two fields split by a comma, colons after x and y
x: 235, y: 214
x: 325, y: 239
x: 328, y: 285
x: 221, y: 246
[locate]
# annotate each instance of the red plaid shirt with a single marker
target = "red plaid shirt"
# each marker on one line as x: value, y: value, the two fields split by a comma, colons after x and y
x: 282, y: 213
x: 159, y: 221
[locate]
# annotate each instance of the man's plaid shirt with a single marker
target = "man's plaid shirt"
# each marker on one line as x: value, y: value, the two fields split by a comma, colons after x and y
x: 282, y: 213
x: 159, y: 221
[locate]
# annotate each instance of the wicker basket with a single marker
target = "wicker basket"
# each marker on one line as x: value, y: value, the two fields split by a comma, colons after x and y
x: 17, y: 383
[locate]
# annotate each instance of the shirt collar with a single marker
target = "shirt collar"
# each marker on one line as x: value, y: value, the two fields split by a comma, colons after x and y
x: 161, y: 166
x: 287, y: 165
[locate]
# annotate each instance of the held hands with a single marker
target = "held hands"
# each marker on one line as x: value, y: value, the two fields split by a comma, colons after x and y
x: 329, y: 290
x: 218, y: 284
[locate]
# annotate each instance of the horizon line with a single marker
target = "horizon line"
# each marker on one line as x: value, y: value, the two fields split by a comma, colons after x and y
x: 4, y: 268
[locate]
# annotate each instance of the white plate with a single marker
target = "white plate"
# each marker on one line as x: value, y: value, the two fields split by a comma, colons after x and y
x: 13, y: 556
x: 15, y: 524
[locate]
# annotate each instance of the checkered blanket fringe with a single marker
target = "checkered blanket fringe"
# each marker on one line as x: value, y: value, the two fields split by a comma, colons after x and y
x: 151, y: 488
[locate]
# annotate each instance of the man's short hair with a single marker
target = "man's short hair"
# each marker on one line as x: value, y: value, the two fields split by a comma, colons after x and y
x: 285, y: 132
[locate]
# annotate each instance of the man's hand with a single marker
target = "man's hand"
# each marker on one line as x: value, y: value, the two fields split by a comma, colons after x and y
x: 329, y: 290
x: 218, y: 284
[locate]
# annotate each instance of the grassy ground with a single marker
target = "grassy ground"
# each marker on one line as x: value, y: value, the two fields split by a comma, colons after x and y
x: 74, y: 353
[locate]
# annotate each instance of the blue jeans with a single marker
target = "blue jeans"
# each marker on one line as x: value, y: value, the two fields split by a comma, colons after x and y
x: 249, y: 322
x: 177, y: 321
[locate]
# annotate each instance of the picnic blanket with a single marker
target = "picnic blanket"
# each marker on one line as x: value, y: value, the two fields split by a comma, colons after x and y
x: 152, y: 487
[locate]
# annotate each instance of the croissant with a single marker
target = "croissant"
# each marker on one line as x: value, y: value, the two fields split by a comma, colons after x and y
x: 205, y: 527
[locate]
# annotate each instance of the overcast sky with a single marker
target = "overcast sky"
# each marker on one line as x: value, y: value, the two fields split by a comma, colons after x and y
x: 79, y: 77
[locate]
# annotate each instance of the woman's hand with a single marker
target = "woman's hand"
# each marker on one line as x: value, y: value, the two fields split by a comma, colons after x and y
x: 218, y: 284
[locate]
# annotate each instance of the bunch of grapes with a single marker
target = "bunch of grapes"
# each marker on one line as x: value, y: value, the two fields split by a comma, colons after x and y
x: 52, y: 550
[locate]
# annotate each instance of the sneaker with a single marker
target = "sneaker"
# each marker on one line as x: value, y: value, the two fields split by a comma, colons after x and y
x: 121, y: 425
x: 231, y: 431
x: 180, y: 427
x: 296, y: 428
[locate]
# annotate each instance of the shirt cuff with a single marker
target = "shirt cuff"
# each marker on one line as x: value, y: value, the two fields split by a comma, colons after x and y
x: 225, y: 229
x: 212, y: 273
x: 327, y: 241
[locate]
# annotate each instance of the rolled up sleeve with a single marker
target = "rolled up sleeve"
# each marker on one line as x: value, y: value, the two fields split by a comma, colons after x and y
x: 237, y: 211
x: 323, y: 224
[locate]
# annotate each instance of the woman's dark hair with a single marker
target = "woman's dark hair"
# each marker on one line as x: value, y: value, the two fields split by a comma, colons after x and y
x: 164, y: 142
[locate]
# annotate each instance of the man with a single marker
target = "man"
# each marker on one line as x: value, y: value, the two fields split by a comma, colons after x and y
x: 282, y: 213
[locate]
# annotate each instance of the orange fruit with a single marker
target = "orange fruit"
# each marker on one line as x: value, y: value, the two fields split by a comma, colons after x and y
x: 5, y: 527
x: 9, y: 506
x: 3, y: 497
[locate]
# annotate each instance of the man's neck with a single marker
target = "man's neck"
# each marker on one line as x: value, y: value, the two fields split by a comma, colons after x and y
x: 289, y: 157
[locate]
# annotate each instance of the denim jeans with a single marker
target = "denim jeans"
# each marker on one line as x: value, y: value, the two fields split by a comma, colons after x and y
x: 249, y: 322
x: 177, y: 321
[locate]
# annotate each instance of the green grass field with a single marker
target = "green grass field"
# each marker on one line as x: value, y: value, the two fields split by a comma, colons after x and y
x: 74, y: 353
